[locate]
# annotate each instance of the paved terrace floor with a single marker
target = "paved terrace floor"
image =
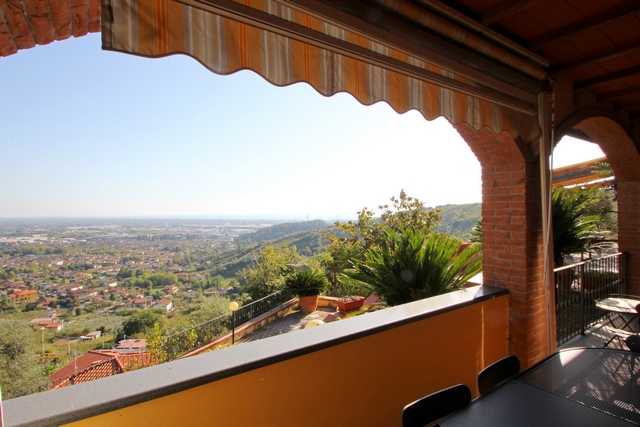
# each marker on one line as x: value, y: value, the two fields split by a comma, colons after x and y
x: 293, y: 321
x: 597, y: 336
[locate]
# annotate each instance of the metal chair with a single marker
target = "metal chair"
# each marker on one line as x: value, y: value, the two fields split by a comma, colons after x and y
x: 435, y: 406
x: 622, y: 335
x: 498, y: 372
x: 633, y: 343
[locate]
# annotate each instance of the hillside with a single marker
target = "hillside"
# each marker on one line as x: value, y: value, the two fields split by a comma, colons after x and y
x: 457, y: 220
x: 306, y: 242
x: 279, y: 231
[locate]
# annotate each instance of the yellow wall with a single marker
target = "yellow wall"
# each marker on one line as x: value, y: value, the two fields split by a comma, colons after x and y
x: 365, y: 382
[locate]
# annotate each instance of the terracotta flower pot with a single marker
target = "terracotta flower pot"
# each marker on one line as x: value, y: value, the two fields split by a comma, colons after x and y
x: 350, y: 303
x: 308, y: 304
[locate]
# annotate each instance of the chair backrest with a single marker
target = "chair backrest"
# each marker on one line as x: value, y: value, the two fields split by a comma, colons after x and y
x: 435, y: 406
x: 633, y: 343
x: 497, y: 373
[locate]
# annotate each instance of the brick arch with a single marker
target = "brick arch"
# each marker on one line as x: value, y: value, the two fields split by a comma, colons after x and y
x: 607, y: 130
x: 27, y: 23
x: 512, y: 243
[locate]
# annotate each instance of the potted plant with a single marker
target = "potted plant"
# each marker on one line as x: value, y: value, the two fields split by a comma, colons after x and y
x: 308, y: 285
x: 350, y: 302
x: 349, y: 296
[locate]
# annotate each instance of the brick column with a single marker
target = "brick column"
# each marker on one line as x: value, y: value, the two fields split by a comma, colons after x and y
x: 512, y: 236
x: 629, y: 231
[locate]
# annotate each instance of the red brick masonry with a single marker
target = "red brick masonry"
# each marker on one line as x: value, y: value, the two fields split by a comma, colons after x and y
x: 27, y: 23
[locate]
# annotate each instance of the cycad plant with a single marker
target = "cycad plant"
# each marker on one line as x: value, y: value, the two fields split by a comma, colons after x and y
x: 411, y: 264
x: 306, y: 283
x: 571, y: 228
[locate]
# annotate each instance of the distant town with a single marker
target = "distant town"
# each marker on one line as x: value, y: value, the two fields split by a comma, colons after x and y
x: 74, y: 263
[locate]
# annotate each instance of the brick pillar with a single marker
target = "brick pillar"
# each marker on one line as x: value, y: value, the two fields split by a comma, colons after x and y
x: 629, y: 231
x: 512, y: 236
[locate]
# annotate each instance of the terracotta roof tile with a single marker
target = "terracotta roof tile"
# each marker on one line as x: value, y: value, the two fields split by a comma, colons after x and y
x: 99, y: 364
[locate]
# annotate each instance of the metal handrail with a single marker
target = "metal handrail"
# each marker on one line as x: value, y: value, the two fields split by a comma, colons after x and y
x: 578, y: 286
x: 200, y: 334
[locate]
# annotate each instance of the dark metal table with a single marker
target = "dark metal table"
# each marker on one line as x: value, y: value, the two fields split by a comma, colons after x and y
x: 585, y: 387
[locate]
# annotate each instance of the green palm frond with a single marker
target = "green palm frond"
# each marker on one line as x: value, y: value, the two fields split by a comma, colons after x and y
x: 571, y: 228
x: 413, y: 264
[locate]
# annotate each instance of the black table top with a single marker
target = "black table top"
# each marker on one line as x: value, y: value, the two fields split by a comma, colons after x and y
x: 585, y: 387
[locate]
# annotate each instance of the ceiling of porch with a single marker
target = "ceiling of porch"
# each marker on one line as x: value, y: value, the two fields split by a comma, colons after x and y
x: 595, y: 45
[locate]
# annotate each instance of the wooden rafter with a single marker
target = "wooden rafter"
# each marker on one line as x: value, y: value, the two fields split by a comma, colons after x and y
x: 601, y: 55
x: 503, y: 10
x: 635, y: 105
x: 585, y: 25
x: 607, y: 77
x: 605, y: 97
x: 580, y: 173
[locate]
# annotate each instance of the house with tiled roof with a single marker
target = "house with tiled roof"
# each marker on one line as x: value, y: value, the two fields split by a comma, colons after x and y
x: 51, y: 323
x: 24, y: 297
x: 98, y: 364
x: 164, y: 303
x: 171, y: 289
x: 143, y: 302
x: 133, y: 345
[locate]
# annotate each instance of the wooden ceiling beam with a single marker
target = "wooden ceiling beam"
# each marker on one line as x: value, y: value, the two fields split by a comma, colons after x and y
x: 585, y: 25
x: 635, y: 105
x: 578, y: 134
x: 503, y: 10
x: 610, y: 96
x: 580, y: 173
x: 607, y: 78
x: 601, y: 55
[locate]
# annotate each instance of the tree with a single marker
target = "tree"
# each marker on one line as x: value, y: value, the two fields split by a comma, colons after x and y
x: 141, y: 322
x: 125, y: 272
x: 605, y: 206
x: 476, y: 232
x: 407, y: 212
x: 209, y: 309
x: 367, y: 232
x: 7, y: 305
x: 266, y: 275
x: 413, y: 264
x: 19, y: 370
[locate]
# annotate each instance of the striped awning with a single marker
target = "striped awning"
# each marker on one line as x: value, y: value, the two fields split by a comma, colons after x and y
x: 286, y: 44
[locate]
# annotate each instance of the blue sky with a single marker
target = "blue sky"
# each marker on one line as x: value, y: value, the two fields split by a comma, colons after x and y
x: 89, y: 133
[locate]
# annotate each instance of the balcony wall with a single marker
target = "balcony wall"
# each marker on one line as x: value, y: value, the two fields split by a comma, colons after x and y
x: 359, y: 371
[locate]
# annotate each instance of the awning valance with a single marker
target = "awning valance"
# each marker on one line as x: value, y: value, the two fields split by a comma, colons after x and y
x: 287, y: 44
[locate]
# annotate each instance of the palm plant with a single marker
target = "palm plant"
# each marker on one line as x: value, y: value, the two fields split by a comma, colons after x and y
x: 306, y: 283
x: 413, y: 264
x: 571, y: 228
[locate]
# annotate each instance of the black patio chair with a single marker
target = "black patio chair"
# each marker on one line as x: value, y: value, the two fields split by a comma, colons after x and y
x: 435, y: 406
x: 624, y: 336
x: 633, y: 343
x: 497, y: 373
